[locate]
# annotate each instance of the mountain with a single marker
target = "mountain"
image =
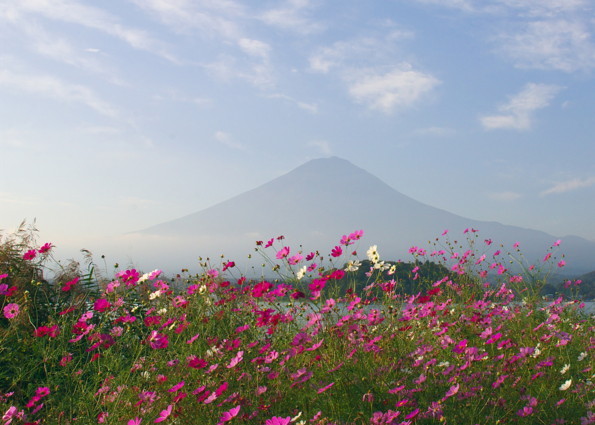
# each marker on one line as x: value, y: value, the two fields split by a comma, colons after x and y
x: 323, y: 199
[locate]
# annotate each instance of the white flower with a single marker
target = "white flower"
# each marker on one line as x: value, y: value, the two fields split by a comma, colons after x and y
x: 392, y: 269
x: 155, y: 294
x: 162, y: 311
x: 301, y: 273
x: 352, y: 266
x: 565, y: 369
x: 372, y: 254
x: 582, y: 356
x: 565, y: 385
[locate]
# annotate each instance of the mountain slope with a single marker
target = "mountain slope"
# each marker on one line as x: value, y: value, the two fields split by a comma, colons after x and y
x: 323, y: 199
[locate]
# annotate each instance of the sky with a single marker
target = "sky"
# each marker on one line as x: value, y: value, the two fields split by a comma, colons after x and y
x: 122, y: 114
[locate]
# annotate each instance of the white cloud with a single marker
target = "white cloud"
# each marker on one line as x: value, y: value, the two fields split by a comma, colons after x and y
x: 73, y: 12
x: 357, y: 52
x: 63, y: 50
x: 504, y: 196
x: 226, y: 139
x: 207, y: 17
x: 293, y: 17
x: 434, y: 132
x: 569, y: 185
x: 385, y: 92
x: 310, y: 107
x: 517, y: 114
x: 52, y: 87
x: 558, y: 44
x: 229, y: 68
x: 322, y: 145
x: 254, y: 47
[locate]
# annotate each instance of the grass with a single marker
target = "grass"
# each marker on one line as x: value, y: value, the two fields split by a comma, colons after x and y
x: 476, y: 346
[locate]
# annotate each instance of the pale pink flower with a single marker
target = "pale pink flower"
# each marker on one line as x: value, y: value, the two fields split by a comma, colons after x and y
x: 230, y: 414
x: 282, y: 253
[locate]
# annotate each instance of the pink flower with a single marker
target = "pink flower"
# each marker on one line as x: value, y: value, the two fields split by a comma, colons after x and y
x: 557, y: 243
x: 164, y: 414
x: 45, y: 248
x: 11, y: 311
x: 30, y: 255
x: 135, y: 421
x: 237, y: 359
x: 176, y: 387
x: 323, y: 389
x: 282, y: 253
x: 295, y: 259
x: 562, y: 263
x: 275, y: 420
x: 547, y: 257
x: 230, y: 414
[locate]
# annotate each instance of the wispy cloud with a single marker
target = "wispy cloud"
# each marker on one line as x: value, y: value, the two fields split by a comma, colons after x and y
x: 255, y: 48
x: 227, y: 140
x: 399, y: 88
x: 293, y: 16
x: 367, y: 67
x: 49, y: 86
x: 209, y: 18
x: 64, y: 50
x: 322, y: 146
x: 559, y: 44
x: 228, y: 67
x: 537, y: 34
x: 434, y: 132
x: 310, y: 107
x: 568, y: 186
x: 517, y: 113
x: 74, y: 12
x: 504, y: 196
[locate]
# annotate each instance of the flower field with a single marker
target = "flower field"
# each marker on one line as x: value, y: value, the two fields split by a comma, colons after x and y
x: 295, y: 341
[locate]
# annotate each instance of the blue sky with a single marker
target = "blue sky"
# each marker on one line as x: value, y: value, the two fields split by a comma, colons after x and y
x: 118, y: 115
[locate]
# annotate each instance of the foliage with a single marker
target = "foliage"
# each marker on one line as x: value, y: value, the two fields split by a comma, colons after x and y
x: 219, y: 347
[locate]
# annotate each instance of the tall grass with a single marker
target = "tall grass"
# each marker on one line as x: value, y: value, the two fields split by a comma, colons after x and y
x: 310, y: 346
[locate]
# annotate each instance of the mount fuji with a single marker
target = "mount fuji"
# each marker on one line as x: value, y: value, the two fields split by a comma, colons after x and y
x: 323, y: 199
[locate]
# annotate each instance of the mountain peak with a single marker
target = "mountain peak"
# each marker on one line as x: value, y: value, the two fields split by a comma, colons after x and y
x: 324, y: 198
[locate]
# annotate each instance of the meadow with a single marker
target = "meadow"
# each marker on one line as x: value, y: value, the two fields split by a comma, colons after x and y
x: 293, y: 340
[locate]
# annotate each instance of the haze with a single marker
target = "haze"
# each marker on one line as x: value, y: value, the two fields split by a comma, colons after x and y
x: 116, y: 116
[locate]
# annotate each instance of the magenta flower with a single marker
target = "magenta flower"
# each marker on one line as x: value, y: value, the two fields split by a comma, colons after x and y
x: 157, y: 341
x: 45, y: 248
x: 11, y: 311
x: 30, y: 255
x: 337, y: 251
x: 323, y: 389
x: 275, y: 420
x: 101, y: 305
x: 164, y: 414
x: 68, y: 285
x: 135, y: 421
x: 176, y: 387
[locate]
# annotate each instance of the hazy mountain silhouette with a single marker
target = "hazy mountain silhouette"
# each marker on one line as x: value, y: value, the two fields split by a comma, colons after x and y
x: 321, y: 200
